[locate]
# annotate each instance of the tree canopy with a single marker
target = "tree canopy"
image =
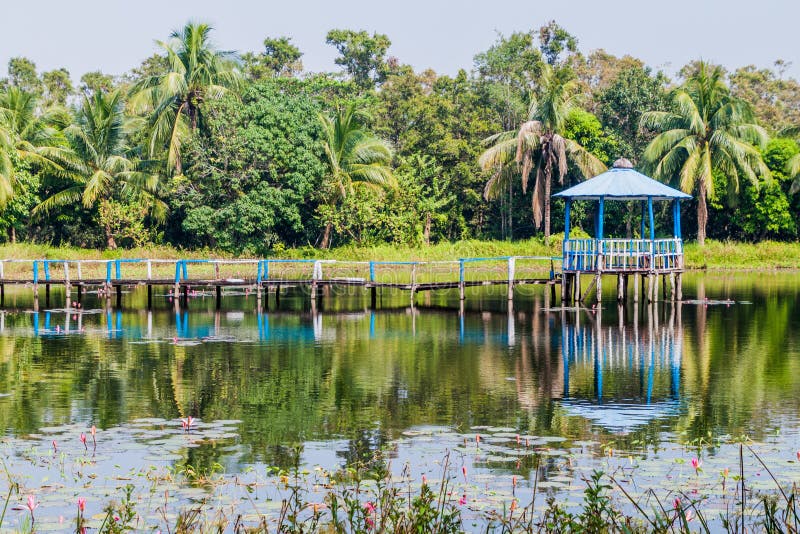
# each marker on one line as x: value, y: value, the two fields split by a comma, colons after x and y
x: 248, y: 152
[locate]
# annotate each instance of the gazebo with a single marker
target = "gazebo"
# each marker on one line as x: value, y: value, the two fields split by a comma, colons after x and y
x: 646, y: 256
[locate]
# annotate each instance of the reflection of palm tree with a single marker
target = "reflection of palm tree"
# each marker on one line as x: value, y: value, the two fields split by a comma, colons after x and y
x: 540, y: 145
x: 353, y: 156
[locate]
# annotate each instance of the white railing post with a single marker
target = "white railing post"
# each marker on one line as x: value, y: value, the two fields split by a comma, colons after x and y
x: 149, y: 269
x: 80, y: 276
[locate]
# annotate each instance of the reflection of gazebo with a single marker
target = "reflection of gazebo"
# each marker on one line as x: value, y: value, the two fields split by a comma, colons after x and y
x: 645, y: 256
x: 641, y: 366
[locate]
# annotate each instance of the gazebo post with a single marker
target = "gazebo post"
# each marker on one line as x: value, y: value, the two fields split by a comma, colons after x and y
x: 641, y: 233
x: 676, y: 277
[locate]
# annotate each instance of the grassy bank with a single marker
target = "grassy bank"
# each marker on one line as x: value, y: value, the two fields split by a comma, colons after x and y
x: 714, y: 255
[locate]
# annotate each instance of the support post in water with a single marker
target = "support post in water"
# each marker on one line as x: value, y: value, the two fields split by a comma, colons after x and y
x: 413, y: 282
x: 511, y: 269
x: 67, y: 287
x: 598, y: 288
x: 635, y: 287
x: 672, y: 286
x: 679, y: 286
x: 461, y: 294
x: 373, y: 291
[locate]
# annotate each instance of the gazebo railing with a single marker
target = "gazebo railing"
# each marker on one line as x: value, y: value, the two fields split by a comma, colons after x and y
x: 592, y: 255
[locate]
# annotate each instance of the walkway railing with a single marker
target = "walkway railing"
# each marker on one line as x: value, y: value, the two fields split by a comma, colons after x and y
x: 266, y: 271
x: 622, y: 255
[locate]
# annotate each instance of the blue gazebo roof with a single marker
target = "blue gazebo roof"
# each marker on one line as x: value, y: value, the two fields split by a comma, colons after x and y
x: 622, y: 182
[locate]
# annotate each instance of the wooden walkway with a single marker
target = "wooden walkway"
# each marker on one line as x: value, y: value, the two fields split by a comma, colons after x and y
x: 109, y: 277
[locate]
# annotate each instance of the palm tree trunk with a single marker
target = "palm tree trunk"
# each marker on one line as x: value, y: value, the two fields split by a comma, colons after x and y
x: 547, y: 184
x: 12, y: 234
x: 110, y: 243
x: 510, y: 212
x: 326, y: 236
x: 702, y: 215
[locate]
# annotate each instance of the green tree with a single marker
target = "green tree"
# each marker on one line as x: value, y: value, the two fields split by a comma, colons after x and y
x: 353, y: 156
x: 620, y: 106
x: 95, y: 81
x: 539, y: 146
x: 28, y: 140
x: 173, y: 100
x: 507, y: 71
x: 280, y: 58
x: 255, y: 170
x: 57, y: 87
x: 708, y: 131
x: 22, y: 74
x: 105, y: 171
x: 363, y: 56
x: 775, y: 99
x: 554, y: 41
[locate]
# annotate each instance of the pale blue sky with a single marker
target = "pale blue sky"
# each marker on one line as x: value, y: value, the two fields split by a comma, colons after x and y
x: 115, y: 35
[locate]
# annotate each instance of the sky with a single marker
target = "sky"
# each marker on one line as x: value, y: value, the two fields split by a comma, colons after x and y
x: 115, y: 35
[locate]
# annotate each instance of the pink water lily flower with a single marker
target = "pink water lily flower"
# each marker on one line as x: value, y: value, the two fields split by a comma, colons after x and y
x: 463, y: 500
x: 696, y: 464
x: 83, y: 440
x: 187, y: 423
x: 81, y: 504
x: 32, y: 504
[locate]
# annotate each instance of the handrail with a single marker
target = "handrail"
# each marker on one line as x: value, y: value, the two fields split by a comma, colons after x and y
x: 622, y: 254
x: 42, y: 268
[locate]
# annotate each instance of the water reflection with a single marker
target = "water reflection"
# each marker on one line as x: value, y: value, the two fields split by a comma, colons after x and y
x: 636, y: 359
x: 339, y: 371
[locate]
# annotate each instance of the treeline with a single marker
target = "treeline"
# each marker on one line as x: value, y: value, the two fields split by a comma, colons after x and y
x: 249, y: 153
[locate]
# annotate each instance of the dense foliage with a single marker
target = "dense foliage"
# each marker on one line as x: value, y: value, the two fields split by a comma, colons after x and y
x: 248, y: 153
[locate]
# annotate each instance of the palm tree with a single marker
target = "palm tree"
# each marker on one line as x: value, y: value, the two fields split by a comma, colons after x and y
x: 105, y: 169
x: 539, y: 145
x: 197, y: 72
x: 707, y: 131
x: 353, y: 156
x: 29, y: 138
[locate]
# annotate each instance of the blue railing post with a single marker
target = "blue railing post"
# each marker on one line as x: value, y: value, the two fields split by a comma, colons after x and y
x: 266, y: 270
x: 258, y: 272
x: 108, y: 272
x: 178, y: 271
x: 35, y: 272
x: 372, y: 271
x: 117, y: 269
x: 46, y: 269
x: 184, y: 269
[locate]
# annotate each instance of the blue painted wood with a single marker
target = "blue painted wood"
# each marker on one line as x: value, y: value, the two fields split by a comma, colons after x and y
x: 652, y: 219
x: 600, y: 217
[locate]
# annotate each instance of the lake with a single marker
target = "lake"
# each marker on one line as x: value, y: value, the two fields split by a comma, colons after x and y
x: 553, y: 394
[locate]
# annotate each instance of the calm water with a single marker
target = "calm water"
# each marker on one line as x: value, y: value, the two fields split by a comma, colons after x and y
x: 340, y: 381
